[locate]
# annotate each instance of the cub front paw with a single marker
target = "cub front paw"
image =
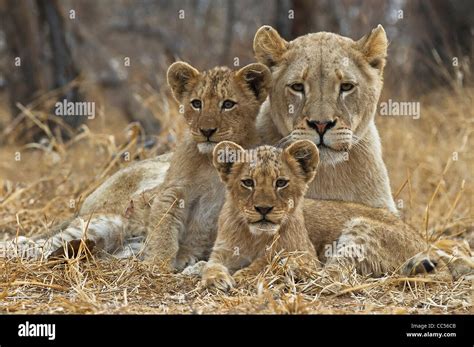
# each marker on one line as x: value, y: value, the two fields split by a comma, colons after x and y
x: 217, y: 276
x: 185, y: 260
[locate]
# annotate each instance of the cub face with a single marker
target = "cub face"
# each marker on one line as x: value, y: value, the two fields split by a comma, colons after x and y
x: 219, y: 104
x: 266, y: 184
x: 325, y: 86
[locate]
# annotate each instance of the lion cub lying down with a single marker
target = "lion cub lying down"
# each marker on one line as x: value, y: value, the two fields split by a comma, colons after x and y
x: 265, y: 191
x: 265, y: 210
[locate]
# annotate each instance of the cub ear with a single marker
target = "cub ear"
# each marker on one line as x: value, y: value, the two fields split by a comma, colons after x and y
x: 269, y: 46
x: 306, y: 155
x: 257, y: 77
x: 181, y: 78
x: 374, y: 47
x: 224, y: 157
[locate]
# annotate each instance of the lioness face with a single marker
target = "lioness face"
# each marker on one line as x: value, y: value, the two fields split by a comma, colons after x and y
x: 325, y: 86
x: 266, y: 184
x: 219, y: 104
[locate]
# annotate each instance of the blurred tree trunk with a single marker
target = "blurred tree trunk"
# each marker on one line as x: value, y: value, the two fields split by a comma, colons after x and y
x: 313, y: 16
x: 282, y: 20
x: 302, y: 23
x: 24, y: 23
x: 26, y: 76
x: 443, y: 43
x: 64, y: 69
x: 228, y: 34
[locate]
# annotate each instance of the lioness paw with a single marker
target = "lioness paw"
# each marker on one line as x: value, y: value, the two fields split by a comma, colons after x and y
x: 446, y: 258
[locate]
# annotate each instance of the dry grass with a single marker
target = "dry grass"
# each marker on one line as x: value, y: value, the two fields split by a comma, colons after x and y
x: 47, y: 185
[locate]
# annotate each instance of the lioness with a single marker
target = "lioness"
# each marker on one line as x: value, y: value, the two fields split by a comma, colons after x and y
x: 179, y: 215
x: 265, y: 197
x: 325, y: 89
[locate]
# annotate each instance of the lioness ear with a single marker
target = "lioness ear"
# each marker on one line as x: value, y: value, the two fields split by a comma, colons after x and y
x: 181, y: 78
x: 224, y: 157
x: 257, y: 77
x: 374, y: 47
x: 306, y: 155
x: 269, y: 46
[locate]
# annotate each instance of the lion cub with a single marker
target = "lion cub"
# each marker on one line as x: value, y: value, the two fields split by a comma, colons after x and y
x: 265, y: 196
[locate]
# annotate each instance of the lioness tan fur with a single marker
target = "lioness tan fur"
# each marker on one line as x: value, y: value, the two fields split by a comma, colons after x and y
x: 179, y: 216
x: 325, y: 89
x: 265, y: 209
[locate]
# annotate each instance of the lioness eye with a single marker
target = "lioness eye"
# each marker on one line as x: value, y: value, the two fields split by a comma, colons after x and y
x: 281, y: 183
x: 196, y: 103
x: 297, y: 87
x: 247, y: 183
x: 345, y: 87
x: 228, y: 104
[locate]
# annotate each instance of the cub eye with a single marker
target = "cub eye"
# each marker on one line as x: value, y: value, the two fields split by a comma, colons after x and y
x: 345, y: 87
x: 228, y: 104
x: 248, y: 183
x: 196, y: 103
x: 297, y: 87
x: 281, y: 183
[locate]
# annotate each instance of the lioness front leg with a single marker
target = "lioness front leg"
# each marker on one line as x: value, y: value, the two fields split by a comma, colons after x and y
x: 372, y: 248
x: 166, y: 224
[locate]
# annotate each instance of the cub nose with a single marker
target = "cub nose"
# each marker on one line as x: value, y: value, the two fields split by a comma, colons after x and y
x: 321, y: 126
x: 264, y: 210
x: 208, y: 132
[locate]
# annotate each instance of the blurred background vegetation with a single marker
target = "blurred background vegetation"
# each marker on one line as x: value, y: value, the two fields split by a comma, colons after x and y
x: 116, y: 51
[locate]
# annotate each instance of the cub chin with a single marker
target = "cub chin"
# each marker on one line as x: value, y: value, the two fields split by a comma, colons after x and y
x: 263, y: 208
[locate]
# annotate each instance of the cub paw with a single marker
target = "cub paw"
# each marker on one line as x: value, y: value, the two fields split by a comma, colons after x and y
x: 184, y: 260
x: 195, y: 270
x: 217, y: 276
x: 243, y: 275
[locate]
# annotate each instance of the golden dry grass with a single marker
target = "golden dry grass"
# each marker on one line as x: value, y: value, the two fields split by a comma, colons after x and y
x: 47, y: 185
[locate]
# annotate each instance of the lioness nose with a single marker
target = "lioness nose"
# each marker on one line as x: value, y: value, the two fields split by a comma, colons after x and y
x: 208, y: 132
x: 321, y: 127
x: 264, y: 210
